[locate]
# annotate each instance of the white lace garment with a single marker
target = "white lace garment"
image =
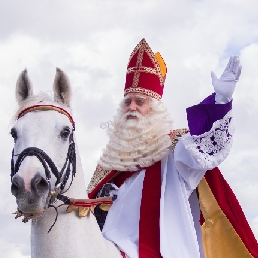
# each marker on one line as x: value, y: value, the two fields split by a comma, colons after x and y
x: 212, y: 147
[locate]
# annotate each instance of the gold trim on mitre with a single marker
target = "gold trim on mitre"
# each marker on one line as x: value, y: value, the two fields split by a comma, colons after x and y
x: 140, y: 90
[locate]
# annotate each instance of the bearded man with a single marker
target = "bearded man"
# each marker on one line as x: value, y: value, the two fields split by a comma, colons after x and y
x: 156, y: 170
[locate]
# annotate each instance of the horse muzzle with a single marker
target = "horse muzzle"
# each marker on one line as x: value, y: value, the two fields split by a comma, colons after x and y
x: 34, y: 200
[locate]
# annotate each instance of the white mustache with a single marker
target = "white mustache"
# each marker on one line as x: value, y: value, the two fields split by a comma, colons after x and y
x: 133, y: 113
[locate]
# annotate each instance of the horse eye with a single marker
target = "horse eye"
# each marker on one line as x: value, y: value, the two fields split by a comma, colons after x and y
x: 14, y: 134
x: 65, y: 132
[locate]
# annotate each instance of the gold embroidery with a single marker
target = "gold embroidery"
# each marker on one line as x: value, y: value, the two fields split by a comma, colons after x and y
x: 175, y: 135
x: 98, y: 175
x: 141, y: 48
x: 140, y: 90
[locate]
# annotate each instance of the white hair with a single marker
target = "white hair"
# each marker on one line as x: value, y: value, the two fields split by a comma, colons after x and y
x: 137, y: 143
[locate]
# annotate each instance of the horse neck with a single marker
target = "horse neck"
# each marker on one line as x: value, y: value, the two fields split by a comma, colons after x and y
x: 77, y: 188
x: 70, y: 236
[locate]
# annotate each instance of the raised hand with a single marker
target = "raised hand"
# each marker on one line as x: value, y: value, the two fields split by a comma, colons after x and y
x: 224, y: 86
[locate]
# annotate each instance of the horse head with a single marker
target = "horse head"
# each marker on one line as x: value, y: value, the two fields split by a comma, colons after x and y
x: 44, y: 153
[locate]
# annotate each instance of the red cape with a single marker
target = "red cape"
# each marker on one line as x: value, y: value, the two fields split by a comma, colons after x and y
x: 226, y: 232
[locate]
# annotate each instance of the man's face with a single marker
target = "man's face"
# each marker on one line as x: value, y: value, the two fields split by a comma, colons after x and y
x: 136, y: 102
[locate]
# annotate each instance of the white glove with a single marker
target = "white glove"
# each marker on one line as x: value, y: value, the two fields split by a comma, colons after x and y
x: 225, y: 85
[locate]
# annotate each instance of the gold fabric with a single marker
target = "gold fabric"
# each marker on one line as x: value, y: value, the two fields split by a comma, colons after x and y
x: 220, y: 239
x: 81, y: 211
x: 105, y: 207
x: 162, y: 64
x: 71, y: 208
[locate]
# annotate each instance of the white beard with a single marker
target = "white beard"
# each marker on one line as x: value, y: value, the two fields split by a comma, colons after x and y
x: 137, y: 143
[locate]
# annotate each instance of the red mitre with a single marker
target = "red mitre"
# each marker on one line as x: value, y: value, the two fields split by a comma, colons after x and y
x: 146, y: 72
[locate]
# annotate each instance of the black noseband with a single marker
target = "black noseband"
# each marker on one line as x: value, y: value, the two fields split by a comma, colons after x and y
x: 49, y: 166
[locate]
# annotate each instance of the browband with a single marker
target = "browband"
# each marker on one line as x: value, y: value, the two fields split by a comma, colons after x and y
x: 44, y: 108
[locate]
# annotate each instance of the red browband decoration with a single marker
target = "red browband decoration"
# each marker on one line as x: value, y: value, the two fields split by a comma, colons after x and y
x: 44, y: 108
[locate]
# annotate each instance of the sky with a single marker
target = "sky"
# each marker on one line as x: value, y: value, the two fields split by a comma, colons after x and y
x: 91, y: 41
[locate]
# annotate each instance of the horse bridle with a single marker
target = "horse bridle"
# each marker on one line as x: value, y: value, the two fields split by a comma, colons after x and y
x: 68, y: 168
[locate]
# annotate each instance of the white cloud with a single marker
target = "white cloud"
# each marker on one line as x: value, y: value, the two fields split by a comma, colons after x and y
x: 254, y: 224
x: 92, y: 42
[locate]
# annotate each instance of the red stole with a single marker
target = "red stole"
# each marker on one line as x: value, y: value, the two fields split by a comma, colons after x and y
x: 149, y: 230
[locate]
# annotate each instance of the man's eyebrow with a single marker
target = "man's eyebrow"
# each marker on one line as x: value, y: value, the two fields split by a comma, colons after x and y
x: 136, y: 96
x: 141, y: 97
x: 127, y: 97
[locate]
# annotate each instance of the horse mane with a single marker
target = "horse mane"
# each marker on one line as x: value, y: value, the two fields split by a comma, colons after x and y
x: 40, y: 98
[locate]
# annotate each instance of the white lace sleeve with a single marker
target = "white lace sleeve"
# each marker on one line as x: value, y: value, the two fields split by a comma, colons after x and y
x: 212, y: 147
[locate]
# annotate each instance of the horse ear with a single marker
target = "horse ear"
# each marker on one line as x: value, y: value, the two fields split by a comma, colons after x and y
x: 62, y: 88
x: 24, y: 87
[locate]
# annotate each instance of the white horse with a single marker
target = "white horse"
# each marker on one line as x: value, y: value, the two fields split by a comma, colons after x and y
x: 42, y: 133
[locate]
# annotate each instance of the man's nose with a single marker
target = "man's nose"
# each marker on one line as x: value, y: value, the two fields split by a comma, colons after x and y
x: 133, y: 106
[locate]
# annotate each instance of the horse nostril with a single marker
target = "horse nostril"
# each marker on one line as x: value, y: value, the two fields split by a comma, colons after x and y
x: 39, y: 183
x: 17, y: 185
x: 42, y: 184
